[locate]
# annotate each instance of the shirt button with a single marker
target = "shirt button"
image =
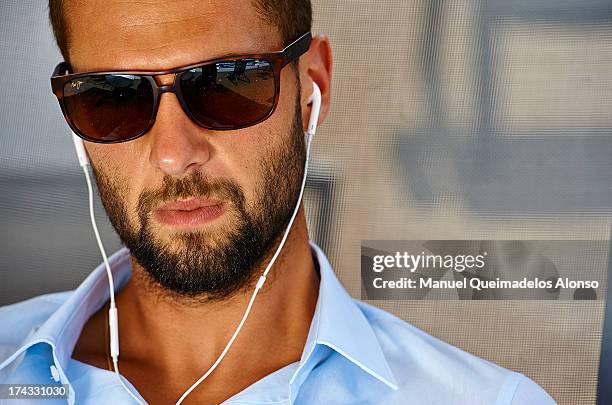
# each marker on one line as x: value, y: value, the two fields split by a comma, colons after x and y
x: 54, y: 373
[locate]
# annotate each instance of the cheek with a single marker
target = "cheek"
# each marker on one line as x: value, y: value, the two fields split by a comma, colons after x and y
x: 274, y: 132
x: 256, y: 147
x: 122, y: 177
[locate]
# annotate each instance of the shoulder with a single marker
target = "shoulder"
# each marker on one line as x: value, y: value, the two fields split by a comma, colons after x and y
x: 451, y: 374
x: 20, y: 319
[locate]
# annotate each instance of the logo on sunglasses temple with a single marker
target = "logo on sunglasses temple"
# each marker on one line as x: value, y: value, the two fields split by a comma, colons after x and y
x: 76, y: 84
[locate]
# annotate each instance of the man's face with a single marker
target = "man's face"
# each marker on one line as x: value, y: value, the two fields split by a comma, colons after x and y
x: 250, y: 177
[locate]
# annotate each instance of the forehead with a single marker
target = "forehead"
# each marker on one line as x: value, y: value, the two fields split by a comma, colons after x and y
x: 159, y: 35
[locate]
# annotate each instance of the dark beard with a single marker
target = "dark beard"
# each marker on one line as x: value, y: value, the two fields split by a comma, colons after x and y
x: 214, y: 266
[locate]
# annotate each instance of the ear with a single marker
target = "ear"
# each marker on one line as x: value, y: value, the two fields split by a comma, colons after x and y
x: 316, y: 65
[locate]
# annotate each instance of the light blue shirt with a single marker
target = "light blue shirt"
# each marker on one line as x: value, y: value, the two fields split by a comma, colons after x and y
x: 354, y: 354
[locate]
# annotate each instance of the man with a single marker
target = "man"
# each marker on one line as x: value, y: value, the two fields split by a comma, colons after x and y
x: 200, y: 184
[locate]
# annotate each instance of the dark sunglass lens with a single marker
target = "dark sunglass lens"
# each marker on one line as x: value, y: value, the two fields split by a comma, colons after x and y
x: 109, y: 107
x: 229, y: 94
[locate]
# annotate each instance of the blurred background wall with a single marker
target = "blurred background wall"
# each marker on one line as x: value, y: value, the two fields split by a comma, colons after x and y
x: 450, y: 120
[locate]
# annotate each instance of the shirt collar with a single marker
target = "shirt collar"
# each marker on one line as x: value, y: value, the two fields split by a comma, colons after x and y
x: 62, y: 329
x: 337, y: 322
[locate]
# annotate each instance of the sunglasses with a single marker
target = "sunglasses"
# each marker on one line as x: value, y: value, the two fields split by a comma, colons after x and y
x: 220, y: 94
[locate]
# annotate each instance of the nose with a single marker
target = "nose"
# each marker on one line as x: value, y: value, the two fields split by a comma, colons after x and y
x: 178, y: 145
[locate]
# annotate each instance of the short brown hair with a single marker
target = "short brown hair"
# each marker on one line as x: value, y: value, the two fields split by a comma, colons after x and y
x: 292, y: 17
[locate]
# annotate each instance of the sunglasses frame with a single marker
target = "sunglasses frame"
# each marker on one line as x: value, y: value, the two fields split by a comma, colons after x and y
x: 278, y: 60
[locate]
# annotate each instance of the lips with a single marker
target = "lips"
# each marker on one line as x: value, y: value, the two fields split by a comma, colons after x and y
x: 187, y: 213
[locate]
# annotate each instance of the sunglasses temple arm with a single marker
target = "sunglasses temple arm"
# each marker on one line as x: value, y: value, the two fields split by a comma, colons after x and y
x: 60, y: 69
x: 297, y: 48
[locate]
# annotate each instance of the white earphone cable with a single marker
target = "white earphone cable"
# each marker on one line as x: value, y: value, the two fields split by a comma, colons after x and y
x: 260, y: 282
x: 97, y: 234
x: 113, y: 308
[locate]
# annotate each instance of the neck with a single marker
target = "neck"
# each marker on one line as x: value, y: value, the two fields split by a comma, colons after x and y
x: 181, y: 339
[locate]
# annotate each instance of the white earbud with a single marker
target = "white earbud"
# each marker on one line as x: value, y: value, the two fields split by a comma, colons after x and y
x: 315, y: 101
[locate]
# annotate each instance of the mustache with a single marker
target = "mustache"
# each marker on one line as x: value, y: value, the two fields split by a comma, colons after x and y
x: 194, y: 185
